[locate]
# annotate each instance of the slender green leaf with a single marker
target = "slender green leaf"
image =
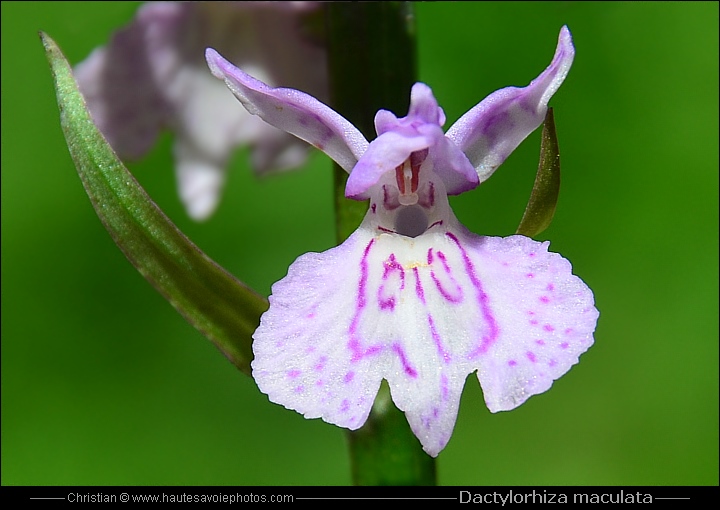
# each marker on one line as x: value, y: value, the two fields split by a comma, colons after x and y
x: 543, y: 199
x: 211, y: 299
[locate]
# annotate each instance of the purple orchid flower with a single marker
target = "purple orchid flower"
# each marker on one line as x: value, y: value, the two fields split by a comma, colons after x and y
x: 152, y: 75
x: 412, y: 296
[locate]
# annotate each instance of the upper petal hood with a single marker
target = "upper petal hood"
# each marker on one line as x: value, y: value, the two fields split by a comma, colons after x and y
x: 399, y: 137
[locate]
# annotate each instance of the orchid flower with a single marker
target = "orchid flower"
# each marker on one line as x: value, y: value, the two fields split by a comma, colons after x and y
x: 412, y: 296
x: 152, y: 75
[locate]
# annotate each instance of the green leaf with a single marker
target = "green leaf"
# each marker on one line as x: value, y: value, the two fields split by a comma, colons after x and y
x: 222, y: 308
x: 543, y: 199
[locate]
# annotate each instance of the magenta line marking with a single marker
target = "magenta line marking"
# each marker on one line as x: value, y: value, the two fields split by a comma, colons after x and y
x: 418, y: 286
x: 427, y: 198
x: 444, y: 390
x: 452, y: 298
x: 438, y: 341
x: 482, y: 299
x: 391, y: 266
x: 354, y: 343
x: 409, y: 370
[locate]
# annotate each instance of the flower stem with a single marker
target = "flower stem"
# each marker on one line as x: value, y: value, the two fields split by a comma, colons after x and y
x: 373, y: 66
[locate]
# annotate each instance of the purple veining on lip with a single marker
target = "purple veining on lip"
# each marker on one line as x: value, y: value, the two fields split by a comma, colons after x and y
x: 438, y: 222
x: 373, y: 207
x: 483, y: 301
x: 438, y: 341
x: 444, y: 390
x: 390, y: 266
x: 457, y: 297
x: 418, y: 286
x: 409, y: 370
x: 387, y: 230
x: 354, y: 345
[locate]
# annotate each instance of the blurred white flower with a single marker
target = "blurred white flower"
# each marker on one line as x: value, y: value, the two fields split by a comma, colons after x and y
x: 152, y: 75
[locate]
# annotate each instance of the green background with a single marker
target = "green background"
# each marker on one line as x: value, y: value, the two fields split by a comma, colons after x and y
x: 104, y: 383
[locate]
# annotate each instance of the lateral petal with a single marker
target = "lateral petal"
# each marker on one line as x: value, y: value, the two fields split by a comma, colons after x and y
x: 490, y: 131
x: 294, y: 112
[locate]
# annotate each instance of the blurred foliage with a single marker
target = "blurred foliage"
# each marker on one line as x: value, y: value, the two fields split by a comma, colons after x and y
x: 102, y: 382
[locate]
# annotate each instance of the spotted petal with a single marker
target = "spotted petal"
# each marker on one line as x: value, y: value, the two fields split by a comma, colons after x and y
x: 421, y: 313
x: 490, y: 131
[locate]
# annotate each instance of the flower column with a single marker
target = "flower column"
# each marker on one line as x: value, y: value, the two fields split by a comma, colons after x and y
x: 371, y: 52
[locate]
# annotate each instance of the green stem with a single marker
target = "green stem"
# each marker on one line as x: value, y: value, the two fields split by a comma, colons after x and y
x: 372, y: 66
